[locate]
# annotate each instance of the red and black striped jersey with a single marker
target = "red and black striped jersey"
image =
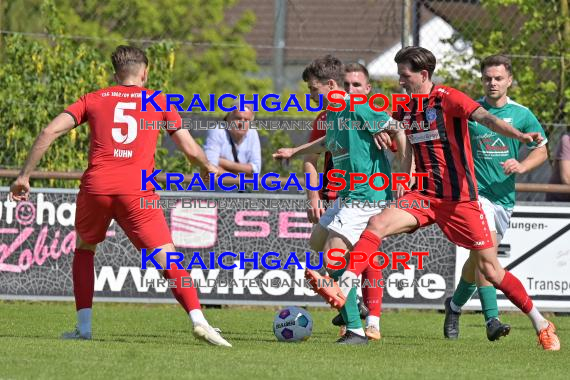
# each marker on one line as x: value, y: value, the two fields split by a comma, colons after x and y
x: 440, y: 139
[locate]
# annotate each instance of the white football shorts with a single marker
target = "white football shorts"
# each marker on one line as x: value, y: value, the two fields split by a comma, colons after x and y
x: 348, y: 221
x: 498, y: 217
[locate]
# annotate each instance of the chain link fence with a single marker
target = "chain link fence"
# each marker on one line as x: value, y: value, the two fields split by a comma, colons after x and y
x: 247, y: 46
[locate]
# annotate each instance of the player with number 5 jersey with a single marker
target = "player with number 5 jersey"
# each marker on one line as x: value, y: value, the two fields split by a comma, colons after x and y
x: 118, y: 149
x: 111, y: 185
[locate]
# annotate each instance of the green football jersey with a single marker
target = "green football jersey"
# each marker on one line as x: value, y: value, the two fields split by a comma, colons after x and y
x: 350, y: 140
x: 490, y: 149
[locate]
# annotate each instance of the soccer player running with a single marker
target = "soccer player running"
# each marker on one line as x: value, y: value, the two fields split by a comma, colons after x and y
x: 356, y: 81
x: 444, y: 152
x: 496, y: 163
x: 111, y: 186
x: 354, y: 150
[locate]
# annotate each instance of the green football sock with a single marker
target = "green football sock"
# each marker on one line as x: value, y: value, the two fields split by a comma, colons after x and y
x: 463, y: 293
x: 349, y: 311
x: 488, y: 297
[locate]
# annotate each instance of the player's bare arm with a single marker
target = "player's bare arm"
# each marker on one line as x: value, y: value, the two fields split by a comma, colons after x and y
x: 495, y: 124
x: 317, y: 146
x: 195, y: 154
x: 535, y: 158
x: 62, y: 124
x: 310, y: 167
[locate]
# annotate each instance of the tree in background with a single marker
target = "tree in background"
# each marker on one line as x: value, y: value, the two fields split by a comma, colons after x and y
x: 39, y: 77
x: 537, y: 37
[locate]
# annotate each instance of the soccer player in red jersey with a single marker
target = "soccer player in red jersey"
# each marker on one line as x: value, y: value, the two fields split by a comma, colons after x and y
x: 444, y: 152
x: 111, y: 186
x: 356, y: 81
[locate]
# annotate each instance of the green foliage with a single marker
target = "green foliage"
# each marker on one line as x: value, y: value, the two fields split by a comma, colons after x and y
x: 38, y: 79
x: 212, y: 55
x: 538, y: 42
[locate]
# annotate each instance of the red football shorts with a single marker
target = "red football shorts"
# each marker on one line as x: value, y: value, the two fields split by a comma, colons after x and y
x: 463, y: 223
x: 146, y: 228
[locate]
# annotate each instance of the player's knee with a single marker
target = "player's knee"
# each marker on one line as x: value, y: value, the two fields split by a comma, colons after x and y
x: 80, y: 244
x: 160, y: 257
x: 490, y: 273
x: 377, y: 225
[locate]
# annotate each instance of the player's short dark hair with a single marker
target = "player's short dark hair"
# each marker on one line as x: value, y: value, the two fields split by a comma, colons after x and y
x: 418, y: 58
x: 127, y: 59
x: 497, y: 60
x: 325, y: 68
x: 357, y: 68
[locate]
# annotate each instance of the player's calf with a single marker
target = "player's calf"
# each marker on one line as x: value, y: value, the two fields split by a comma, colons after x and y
x: 318, y: 237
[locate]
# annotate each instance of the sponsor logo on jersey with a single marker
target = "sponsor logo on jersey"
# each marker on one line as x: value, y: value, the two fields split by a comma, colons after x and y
x: 424, y: 136
x: 431, y: 114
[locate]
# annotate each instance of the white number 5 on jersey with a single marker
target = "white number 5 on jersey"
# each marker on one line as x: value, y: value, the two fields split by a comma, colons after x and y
x: 120, y: 117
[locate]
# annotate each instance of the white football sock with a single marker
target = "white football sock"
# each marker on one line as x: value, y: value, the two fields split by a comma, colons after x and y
x: 537, y: 319
x: 373, y: 321
x: 84, y: 320
x: 359, y: 331
x: 346, y: 282
x: 454, y: 307
x: 197, y: 317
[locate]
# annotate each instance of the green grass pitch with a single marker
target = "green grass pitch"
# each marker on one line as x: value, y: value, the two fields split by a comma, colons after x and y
x: 155, y: 342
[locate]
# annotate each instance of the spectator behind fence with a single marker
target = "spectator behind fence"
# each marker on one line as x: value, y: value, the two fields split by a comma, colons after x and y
x: 234, y: 147
x: 561, y: 169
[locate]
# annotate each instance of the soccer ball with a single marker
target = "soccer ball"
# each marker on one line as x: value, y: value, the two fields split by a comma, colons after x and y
x: 292, y: 324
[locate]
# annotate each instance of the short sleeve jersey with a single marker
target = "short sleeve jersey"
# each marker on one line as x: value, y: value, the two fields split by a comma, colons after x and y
x: 440, y: 139
x: 490, y: 149
x: 351, y: 144
x: 119, y: 149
